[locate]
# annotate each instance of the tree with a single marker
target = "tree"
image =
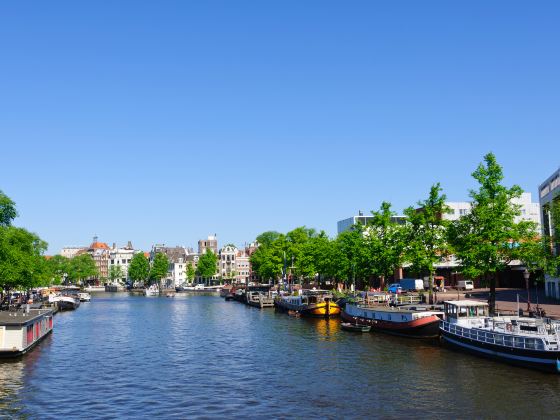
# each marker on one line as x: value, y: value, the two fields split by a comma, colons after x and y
x: 384, y: 244
x: 8, y: 210
x: 115, y: 272
x: 191, y: 272
x: 427, y: 234
x: 267, y: 238
x: 485, y: 240
x: 207, y: 263
x: 159, y: 268
x: 81, y: 267
x: 139, y: 268
x: 59, y: 267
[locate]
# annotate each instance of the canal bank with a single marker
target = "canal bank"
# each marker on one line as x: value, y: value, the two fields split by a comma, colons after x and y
x: 132, y: 357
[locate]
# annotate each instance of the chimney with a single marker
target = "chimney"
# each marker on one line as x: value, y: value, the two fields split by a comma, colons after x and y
x: 114, y: 245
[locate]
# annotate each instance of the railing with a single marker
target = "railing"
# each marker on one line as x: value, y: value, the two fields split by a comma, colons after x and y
x: 490, y: 337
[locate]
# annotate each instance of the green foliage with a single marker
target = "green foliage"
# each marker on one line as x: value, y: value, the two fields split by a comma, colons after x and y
x: 385, y: 244
x: 485, y: 239
x: 139, y: 267
x: 267, y: 238
x: 22, y: 264
x: 8, y: 210
x: 207, y: 264
x: 58, y: 267
x: 160, y: 266
x: 81, y: 267
x: 115, y: 272
x: 427, y: 233
x: 191, y: 272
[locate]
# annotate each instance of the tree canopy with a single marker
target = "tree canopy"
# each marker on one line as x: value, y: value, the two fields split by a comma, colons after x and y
x: 160, y: 266
x: 139, y: 267
x: 207, y: 264
x: 485, y: 240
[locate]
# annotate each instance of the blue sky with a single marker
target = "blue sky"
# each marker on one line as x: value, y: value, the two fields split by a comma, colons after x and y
x: 167, y: 121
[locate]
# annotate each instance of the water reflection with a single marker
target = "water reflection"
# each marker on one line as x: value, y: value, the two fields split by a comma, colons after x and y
x: 195, y: 355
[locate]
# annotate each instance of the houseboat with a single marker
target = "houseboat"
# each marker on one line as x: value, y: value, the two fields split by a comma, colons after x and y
x: 21, y: 331
x: 523, y: 341
x: 313, y: 303
x: 410, y: 321
x: 260, y: 299
x: 66, y: 302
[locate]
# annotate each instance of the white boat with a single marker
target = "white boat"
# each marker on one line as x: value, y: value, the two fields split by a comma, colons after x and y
x: 524, y: 341
x: 153, y: 290
x: 64, y: 303
x: 94, y: 289
x: 84, y: 297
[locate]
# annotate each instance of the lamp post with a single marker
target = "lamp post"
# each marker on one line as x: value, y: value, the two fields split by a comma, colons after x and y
x: 526, y: 276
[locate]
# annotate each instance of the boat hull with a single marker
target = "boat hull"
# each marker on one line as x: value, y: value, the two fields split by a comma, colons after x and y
x: 547, y: 361
x: 315, y: 310
x: 427, y: 327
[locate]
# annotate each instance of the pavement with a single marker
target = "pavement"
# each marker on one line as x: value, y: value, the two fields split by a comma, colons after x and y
x: 506, y: 299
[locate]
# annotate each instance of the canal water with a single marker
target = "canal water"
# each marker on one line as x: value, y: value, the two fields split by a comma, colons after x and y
x: 123, y: 356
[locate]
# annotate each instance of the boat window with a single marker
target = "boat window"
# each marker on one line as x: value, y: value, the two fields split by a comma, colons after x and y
x: 462, y: 312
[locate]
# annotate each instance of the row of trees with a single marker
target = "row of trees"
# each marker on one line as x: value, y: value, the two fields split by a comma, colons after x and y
x: 485, y: 241
x: 22, y: 264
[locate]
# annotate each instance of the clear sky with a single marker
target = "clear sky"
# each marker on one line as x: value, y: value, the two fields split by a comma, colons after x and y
x: 166, y: 121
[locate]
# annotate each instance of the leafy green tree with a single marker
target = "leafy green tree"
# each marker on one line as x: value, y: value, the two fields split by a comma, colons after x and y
x: 59, y: 267
x: 81, y: 267
x: 349, y: 259
x: 207, y: 264
x: 267, y: 238
x: 8, y: 210
x: 485, y: 240
x: 384, y: 244
x: 160, y: 266
x: 191, y: 272
x: 115, y: 272
x: 139, y: 268
x: 427, y: 234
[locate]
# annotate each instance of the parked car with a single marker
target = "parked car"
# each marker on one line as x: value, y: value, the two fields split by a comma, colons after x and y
x: 465, y: 284
x: 395, y: 288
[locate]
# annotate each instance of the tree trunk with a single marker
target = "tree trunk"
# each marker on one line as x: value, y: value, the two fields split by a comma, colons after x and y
x: 381, y: 282
x: 431, y: 288
x: 492, y: 297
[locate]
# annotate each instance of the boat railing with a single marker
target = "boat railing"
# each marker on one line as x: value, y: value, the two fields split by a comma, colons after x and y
x: 491, y: 337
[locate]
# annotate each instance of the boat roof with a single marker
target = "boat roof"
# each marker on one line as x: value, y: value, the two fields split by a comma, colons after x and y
x: 20, y: 317
x: 465, y: 303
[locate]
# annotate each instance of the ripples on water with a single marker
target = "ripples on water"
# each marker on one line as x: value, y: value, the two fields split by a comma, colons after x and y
x: 199, y: 356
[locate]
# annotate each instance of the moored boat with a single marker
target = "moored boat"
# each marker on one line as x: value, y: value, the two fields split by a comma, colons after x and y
x: 361, y: 328
x: 523, y: 341
x: 84, y: 297
x: 153, y: 290
x: 313, y: 303
x: 20, y: 331
x: 64, y: 302
x: 409, y: 321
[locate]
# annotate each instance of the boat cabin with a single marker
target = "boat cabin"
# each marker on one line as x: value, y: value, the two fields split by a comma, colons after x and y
x: 21, y: 330
x: 457, y: 309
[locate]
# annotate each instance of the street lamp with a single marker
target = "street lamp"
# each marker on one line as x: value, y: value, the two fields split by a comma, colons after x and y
x: 526, y: 276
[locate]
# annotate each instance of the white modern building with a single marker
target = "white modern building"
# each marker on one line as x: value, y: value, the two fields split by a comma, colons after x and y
x: 549, y: 196
x: 346, y: 224
x: 530, y: 211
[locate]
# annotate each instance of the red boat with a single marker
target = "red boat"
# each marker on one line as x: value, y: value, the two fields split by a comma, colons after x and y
x: 409, y: 321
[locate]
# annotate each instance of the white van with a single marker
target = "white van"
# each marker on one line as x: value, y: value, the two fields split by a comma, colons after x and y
x: 465, y: 284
